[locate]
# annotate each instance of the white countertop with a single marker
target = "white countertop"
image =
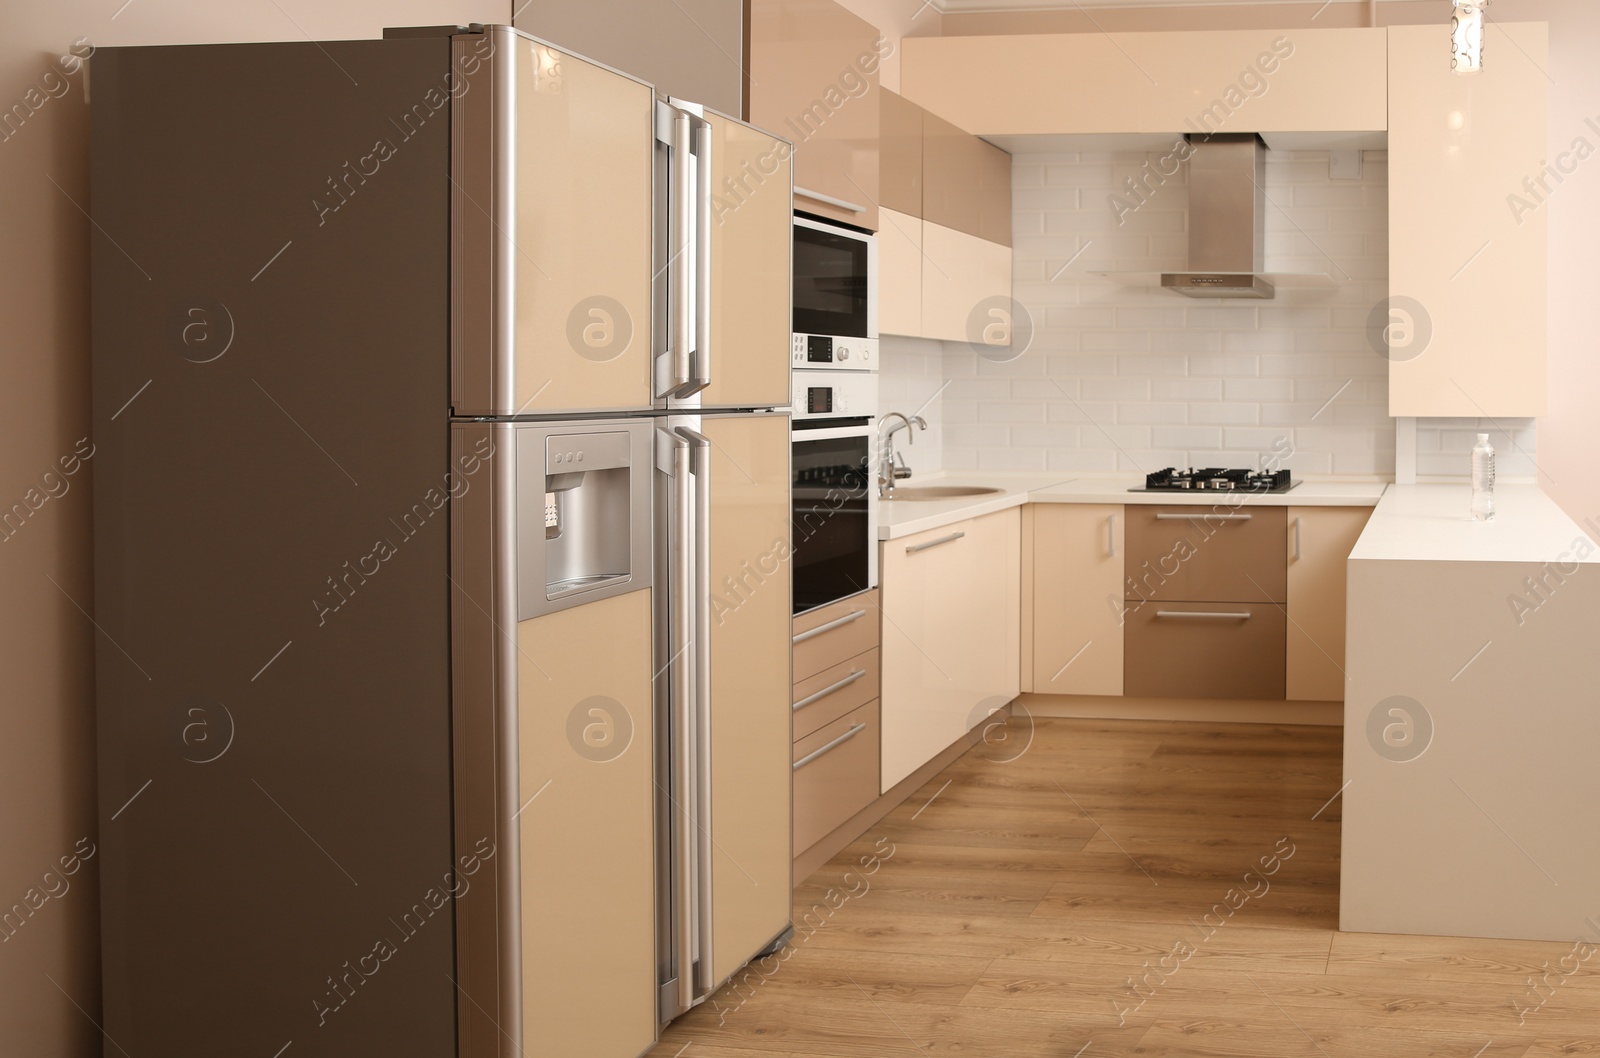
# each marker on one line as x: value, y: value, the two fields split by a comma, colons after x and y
x: 1432, y: 522
x: 898, y: 518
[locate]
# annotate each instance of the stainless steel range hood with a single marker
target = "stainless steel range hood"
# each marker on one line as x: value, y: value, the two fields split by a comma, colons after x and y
x: 1227, y: 219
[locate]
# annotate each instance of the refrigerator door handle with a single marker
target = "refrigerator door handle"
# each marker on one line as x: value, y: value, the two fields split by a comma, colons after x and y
x: 675, y: 460
x: 700, y: 532
x: 680, y: 296
x: 701, y: 371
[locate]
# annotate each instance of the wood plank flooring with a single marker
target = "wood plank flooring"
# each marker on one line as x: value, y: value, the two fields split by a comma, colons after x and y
x: 1128, y: 888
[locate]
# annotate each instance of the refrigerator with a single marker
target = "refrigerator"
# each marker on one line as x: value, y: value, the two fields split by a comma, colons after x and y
x: 440, y: 392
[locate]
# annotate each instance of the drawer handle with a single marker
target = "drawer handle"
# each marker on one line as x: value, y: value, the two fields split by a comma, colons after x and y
x: 1204, y: 614
x: 838, y: 622
x: 841, y: 685
x: 1211, y: 517
x: 835, y: 744
x: 914, y: 548
x: 840, y: 203
x: 1297, y: 540
x: 1111, y: 537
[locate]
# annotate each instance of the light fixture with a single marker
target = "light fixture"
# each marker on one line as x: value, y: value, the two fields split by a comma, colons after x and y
x: 1466, y: 36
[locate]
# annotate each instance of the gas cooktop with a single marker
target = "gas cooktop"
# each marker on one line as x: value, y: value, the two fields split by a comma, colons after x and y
x: 1217, y: 479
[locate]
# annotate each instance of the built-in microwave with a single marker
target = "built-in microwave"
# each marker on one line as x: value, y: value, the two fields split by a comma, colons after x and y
x: 835, y: 296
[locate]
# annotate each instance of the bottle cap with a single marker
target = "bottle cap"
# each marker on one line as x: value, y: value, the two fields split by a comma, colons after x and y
x: 1483, y: 438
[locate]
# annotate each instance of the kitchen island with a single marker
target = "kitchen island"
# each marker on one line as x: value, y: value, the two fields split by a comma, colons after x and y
x: 1471, y: 726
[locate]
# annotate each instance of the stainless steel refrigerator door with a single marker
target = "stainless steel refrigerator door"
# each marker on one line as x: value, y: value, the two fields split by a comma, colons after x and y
x: 727, y: 289
x: 723, y: 697
x: 551, y: 206
x: 554, y: 770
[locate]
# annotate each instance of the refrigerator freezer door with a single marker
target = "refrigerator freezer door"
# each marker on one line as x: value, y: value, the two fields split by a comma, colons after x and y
x: 738, y: 263
x: 750, y: 740
x: 586, y: 782
x: 551, y: 210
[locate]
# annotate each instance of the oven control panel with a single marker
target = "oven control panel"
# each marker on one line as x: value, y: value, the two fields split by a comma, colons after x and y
x: 833, y: 394
x: 828, y: 353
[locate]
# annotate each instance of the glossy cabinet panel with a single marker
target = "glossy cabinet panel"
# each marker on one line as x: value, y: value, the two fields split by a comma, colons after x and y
x: 966, y: 182
x: 900, y: 161
x: 835, y: 774
x: 1204, y: 650
x: 899, y: 273
x: 1226, y: 552
x: 814, y: 81
x: 1320, y: 540
x: 951, y: 635
x: 1467, y: 236
x: 966, y: 286
x: 1077, y: 598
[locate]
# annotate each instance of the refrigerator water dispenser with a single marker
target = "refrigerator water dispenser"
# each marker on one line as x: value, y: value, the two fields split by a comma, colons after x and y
x: 583, y: 509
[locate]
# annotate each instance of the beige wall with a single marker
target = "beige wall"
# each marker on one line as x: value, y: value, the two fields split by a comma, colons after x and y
x: 1569, y: 436
x: 47, y: 755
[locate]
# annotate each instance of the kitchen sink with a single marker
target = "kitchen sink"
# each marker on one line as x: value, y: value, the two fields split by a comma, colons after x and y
x: 941, y: 492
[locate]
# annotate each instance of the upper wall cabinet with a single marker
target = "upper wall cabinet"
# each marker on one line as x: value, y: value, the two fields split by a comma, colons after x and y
x: 688, y: 48
x: 944, y: 238
x: 1467, y: 224
x: 1291, y: 81
x: 814, y: 81
x: 966, y: 183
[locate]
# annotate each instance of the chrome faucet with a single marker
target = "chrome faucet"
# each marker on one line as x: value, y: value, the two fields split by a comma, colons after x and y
x: 892, y: 467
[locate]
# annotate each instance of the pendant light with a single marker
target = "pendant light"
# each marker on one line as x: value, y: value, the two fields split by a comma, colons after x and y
x: 1466, y: 36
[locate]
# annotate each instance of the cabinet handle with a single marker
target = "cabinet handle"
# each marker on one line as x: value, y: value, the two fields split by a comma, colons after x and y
x: 840, y: 203
x: 914, y: 548
x: 1212, y: 517
x: 835, y: 744
x: 1111, y: 537
x: 838, y: 622
x: 841, y: 685
x: 1297, y: 540
x: 1203, y: 614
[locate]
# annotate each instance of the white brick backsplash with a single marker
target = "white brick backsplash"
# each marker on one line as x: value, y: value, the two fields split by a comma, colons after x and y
x: 1132, y: 378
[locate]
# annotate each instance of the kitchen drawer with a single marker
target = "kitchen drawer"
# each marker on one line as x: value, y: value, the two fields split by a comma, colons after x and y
x: 1211, y: 553
x: 835, y: 774
x: 835, y: 633
x: 1204, y: 650
x: 835, y: 691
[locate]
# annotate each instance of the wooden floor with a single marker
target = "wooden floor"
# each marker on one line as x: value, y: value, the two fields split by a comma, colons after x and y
x: 1090, y: 897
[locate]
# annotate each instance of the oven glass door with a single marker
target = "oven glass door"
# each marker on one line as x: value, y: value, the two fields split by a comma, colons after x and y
x: 832, y: 538
x: 830, y: 283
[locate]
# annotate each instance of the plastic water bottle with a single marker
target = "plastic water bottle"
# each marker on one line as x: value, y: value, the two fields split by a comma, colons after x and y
x: 1482, y: 479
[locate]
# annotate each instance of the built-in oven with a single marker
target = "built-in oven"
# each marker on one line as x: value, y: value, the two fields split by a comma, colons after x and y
x: 835, y: 297
x: 833, y: 493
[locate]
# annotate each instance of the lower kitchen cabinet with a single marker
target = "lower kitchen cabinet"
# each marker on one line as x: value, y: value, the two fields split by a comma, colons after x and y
x: 1320, y: 542
x: 835, y: 774
x: 1205, y: 650
x: 951, y: 635
x: 1076, y: 605
x: 835, y: 703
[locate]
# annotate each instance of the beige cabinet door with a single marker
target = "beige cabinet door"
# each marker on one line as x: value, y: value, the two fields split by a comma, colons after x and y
x: 951, y: 635
x: 1077, y: 598
x: 899, y: 273
x: 900, y: 154
x: 586, y: 788
x: 1467, y: 236
x: 1320, y: 541
x: 966, y: 287
x: 551, y: 211
x: 751, y: 686
x: 966, y: 182
x: 814, y: 81
x: 751, y: 280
